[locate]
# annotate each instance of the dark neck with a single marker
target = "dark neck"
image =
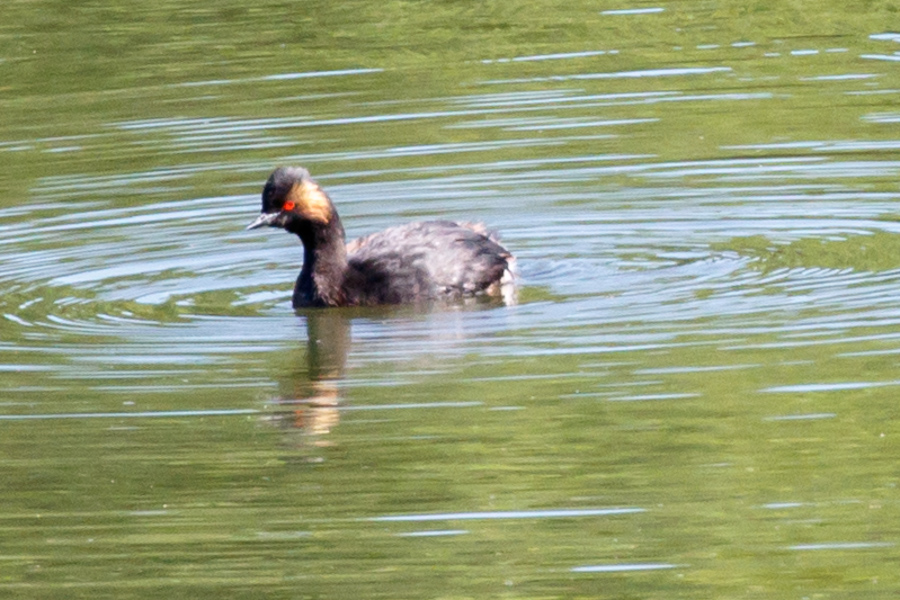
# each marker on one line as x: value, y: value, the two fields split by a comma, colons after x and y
x: 324, y: 264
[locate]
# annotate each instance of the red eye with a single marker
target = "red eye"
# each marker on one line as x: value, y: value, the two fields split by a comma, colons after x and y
x: 289, y: 205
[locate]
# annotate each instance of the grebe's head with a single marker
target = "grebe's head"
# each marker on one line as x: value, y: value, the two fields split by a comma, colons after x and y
x: 291, y: 198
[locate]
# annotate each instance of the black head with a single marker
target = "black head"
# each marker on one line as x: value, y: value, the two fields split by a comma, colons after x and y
x: 291, y: 198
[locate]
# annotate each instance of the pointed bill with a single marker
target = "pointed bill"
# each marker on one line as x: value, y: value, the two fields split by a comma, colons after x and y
x: 263, y: 220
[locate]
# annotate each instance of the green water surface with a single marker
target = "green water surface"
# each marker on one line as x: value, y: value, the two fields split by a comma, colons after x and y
x: 694, y: 397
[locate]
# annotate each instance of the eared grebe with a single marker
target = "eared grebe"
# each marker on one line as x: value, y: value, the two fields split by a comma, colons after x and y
x: 416, y: 262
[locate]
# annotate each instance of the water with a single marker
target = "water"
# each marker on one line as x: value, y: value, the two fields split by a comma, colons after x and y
x: 693, y: 398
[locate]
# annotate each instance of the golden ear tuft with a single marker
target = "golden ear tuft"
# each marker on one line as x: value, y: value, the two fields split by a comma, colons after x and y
x: 311, y: 201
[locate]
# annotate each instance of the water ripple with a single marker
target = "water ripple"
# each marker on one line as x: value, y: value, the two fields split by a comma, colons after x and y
x: 511, y: 514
